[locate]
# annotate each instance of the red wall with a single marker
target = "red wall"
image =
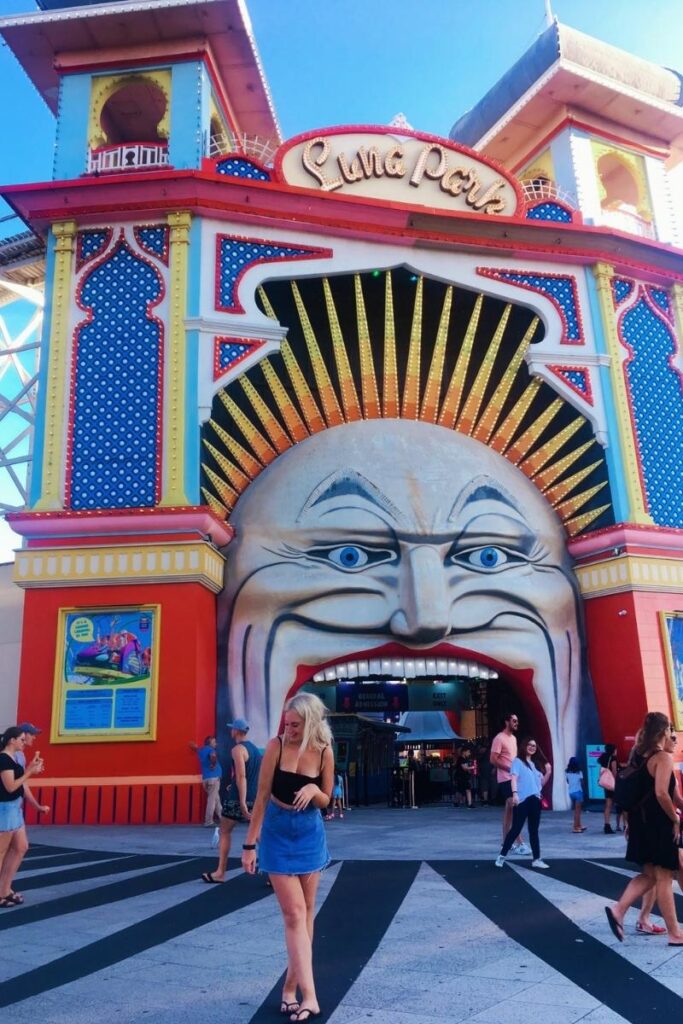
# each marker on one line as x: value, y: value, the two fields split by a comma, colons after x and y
x: 186, y: 682
x: 626, y: 660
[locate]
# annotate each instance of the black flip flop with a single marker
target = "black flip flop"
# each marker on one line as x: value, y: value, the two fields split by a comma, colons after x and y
x: 210, y: 880
x: 617, y: 929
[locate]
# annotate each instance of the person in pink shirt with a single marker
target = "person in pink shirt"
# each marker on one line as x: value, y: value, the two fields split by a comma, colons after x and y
x: 503, y: 753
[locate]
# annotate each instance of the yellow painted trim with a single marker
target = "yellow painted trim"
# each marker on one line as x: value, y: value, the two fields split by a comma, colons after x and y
x: 133, y: 780
x: 629, y: 573
x: 182, y: 562
x: 603, y: 274
x: 173, y: 488
x: 58, y: 702
x: 676, y: 703
x: 105, y: 86
x: 540, y: 167
x: 633, y: 162
x: 52, y: 493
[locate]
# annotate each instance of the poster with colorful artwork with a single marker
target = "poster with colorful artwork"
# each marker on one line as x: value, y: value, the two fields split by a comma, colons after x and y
x: 672, y: 636
x: 106, y: 674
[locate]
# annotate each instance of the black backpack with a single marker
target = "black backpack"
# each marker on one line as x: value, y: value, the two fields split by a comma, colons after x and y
x: 632, y: 786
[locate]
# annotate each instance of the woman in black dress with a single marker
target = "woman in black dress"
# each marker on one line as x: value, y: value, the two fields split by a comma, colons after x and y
x: 653, y: 829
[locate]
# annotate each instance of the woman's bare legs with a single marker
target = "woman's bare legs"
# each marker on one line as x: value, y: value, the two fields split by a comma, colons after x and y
x: 608, y: 811
x: 577, y: 815
x: 667, y: 907
x: 635, y: 890
x: 647, y: 902
x: 296, y: 896
x: 13, y: 846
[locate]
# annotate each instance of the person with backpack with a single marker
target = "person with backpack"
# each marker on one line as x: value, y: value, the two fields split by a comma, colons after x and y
x: 649, y: 794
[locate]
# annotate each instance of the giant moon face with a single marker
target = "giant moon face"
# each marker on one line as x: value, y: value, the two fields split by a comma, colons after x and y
x: 398, y: 539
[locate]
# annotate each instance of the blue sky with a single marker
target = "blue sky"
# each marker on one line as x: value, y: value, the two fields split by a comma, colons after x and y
x: 362, y: 61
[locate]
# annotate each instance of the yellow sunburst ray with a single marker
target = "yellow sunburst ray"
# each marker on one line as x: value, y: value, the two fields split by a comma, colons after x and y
x: 559, y: 491
x: 347, y: 387
x: 233, y: 474
x: 251, y: 466
x: 566, y: 509
x: 264, y: 452
x: 225, y: 492
x: 215, y: 505
x: 510, y: 425
x: 293, y: 422
x: 269, y: 421
x: 544, y: 478
x: 470, y: 410
x: 411, y: 389
x: 451, y: 403
x: 390, y: 382
x: 430, y: 402
x: 309, y: 406
x: 494, y: 408
x: 331, y: 410
x: 579, y: 523
x: 368, y: 380
x: 528, y: 439
x: 547, y: 451
x: 266, y: 303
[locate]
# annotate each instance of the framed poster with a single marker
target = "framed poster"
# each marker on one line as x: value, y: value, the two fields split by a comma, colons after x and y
x: 672, y: 638
x: 106, y: 674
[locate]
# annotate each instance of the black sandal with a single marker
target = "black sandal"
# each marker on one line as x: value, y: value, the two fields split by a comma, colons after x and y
x: 296, y: 1016
x: 289, y: 1008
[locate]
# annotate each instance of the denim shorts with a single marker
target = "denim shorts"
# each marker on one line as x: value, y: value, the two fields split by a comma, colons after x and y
x: 292, y: 842
x: 11, y: 815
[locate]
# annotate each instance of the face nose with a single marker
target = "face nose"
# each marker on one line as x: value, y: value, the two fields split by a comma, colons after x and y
x: 424, y: 604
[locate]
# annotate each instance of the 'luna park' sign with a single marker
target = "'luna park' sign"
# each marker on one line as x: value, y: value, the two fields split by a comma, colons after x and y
x: 390, y: 166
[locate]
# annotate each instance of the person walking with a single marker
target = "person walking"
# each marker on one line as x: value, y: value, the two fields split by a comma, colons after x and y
x: 574, y: 777
x: 211, y: 779
x: 13, y: 842
x: 296, y: 783
x: 503, y: 753
x: 527, y: 783
x: 464, y: 771
x: 239, y: 796
x: 653, y: 830
x: 337, y: 804
x: 608, y: 763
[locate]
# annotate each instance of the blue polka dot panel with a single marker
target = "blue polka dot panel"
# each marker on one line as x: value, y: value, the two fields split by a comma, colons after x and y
x: 549, y: 211
x: 234, y: 256
x: 154, y: 240
x: 115, y: 447
x: 577, y: 378
x: 656, y: 397
x: 238, y: 167
x: 622, y: 288
x: 661, y: 299
x: 228, y: 352
x: 559, y: 289
x: 90, y: 244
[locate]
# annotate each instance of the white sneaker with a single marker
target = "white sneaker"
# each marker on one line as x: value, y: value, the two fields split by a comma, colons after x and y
x: 521, y: 850
x: 540, y: 864
x: 500, y: 861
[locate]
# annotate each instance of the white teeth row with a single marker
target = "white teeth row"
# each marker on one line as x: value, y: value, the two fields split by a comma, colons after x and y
x: 404, y: 668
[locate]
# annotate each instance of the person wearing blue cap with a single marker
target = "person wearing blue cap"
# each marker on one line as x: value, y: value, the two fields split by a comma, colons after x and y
x: 239, y: 796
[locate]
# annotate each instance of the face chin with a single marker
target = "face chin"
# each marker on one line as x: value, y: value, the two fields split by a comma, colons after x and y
x: 477, y: 583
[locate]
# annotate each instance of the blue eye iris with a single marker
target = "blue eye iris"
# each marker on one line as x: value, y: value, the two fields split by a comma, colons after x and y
x: 348, y: 557
x: 487, y: 558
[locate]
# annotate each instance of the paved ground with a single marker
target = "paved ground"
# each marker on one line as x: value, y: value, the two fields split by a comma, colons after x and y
x: 415, y: 926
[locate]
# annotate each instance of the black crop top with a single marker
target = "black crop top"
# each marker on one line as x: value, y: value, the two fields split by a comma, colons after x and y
x: 285, y: 784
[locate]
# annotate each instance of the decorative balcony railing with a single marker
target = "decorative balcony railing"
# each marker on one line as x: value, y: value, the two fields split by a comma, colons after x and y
x: 255, y: 146
x: 626, y: 220
x: 128, y: 156
x: 538, y: 189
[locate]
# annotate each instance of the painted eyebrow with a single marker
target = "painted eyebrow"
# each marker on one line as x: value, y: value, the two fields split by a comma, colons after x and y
x: 485, y: 492
x: 351, y: 484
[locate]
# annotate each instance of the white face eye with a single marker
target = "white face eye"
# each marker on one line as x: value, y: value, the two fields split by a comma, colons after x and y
x: 351, y: 557
x: 487, y: 558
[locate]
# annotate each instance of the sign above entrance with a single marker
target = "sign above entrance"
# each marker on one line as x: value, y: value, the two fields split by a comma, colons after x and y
x: 398, y: 167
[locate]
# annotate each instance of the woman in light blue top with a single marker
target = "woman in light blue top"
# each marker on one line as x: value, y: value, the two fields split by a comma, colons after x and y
x: 527, y: 782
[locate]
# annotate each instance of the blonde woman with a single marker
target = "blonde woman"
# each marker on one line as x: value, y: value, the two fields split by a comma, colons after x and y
x: 295, y: 784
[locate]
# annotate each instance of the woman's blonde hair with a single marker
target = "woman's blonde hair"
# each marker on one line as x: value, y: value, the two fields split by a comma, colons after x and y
x: 317, y: 733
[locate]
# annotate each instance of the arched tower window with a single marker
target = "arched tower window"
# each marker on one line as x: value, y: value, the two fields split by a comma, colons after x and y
x: 624, y: 198
x: 129, y: 121
x: 134, y: 113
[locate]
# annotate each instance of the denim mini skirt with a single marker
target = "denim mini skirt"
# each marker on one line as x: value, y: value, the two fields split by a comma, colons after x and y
x: 292, y: 842
x: 11, y: 815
